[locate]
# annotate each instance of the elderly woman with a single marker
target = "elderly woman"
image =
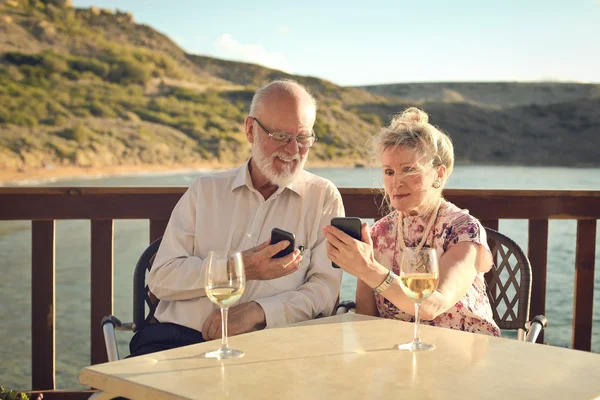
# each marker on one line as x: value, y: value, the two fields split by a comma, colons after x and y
x: 416, y: 160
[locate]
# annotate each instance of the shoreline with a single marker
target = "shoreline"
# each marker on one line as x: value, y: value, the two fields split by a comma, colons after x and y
x: 36, y: 176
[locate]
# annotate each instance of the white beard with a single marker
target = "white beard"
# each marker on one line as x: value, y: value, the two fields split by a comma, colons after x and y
x: 264, y: 163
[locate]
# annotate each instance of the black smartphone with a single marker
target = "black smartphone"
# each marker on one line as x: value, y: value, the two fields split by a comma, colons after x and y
x: 277, y: 235
x: 350, y: 226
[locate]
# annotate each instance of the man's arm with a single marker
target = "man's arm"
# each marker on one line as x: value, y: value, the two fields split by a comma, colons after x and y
x: 321, y: 289
x: 176, y: 273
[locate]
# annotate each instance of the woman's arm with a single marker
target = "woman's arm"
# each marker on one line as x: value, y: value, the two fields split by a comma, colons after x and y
x: 458, y: 270
x: 365, y: 300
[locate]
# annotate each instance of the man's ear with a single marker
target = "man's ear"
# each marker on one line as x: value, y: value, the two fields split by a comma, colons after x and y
x: 249, y: 128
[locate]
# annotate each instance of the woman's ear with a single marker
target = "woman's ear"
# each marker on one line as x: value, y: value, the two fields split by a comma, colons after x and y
x: 441, y: 172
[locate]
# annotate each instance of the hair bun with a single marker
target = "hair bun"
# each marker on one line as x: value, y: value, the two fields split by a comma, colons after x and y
x: 415, y: 116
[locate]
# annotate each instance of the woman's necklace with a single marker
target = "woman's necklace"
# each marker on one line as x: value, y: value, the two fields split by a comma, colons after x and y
x: 400, y: 231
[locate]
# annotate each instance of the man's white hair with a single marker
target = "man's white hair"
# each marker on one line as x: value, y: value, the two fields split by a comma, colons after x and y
x: 286, y: 85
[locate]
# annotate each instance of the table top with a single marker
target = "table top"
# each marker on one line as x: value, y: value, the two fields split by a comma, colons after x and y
x: 353, y: 357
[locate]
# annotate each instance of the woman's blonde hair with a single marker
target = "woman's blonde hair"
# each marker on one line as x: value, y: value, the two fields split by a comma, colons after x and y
x: 411, y: 129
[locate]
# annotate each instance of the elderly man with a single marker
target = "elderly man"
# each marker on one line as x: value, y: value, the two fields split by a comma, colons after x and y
x: 236, y: 210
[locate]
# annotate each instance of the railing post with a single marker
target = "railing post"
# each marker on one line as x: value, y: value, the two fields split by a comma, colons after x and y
x: 490, y: 223
x: 43, y: 343
x: 157, y: 228
x: 538, y: 257
x: 102, y: 269
x: 583, y: 302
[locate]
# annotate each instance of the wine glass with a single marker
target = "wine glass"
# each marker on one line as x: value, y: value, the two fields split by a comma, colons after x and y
x: 224, y: 285
x: 419, y: 278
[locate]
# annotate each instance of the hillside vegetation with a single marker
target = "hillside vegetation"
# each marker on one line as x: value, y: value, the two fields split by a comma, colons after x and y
x: 91, y: 88
x: 492, y: 94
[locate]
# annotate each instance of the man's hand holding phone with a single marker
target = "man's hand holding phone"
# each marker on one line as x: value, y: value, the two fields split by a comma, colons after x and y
x: 261, y: 263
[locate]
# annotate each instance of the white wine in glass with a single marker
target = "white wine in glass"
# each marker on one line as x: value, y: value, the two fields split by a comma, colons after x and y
x: 224, y: 285
x: 224, y: 296
x: 419, y: 278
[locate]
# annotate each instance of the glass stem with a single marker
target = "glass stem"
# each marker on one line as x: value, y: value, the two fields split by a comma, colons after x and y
x: 417, y: 335
x: 224, y: 342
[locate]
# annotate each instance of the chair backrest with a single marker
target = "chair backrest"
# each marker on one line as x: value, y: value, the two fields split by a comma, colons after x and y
x: 508, y: 282
x: 142, y: 296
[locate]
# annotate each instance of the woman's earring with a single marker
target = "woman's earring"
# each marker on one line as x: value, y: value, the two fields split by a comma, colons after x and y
x: 437, y: 183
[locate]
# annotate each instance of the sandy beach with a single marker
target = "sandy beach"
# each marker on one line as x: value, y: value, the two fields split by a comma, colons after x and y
x: 40, y: 175
x: 34, y: 176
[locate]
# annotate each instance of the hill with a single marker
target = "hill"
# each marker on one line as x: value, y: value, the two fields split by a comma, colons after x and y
x: 492, y: 94
x: 90, y: 88
x: 561, y: 134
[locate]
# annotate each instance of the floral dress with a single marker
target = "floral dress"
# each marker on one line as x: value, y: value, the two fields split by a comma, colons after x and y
x: 472, y: 313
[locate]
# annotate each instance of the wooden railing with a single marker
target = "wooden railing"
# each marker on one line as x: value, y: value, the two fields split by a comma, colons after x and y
x: 103, y: 205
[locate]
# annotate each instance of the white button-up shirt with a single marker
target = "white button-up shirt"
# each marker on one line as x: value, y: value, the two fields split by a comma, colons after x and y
x: 223, y: 211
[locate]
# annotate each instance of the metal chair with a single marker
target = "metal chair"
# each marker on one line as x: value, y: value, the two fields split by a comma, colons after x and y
x: 142, y: 297
x: 508, y: 288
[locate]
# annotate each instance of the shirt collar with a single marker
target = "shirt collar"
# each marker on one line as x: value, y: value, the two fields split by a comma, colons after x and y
x: 242, y: 178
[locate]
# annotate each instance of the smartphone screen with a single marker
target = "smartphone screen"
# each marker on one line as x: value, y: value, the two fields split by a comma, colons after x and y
x: 350, y: 226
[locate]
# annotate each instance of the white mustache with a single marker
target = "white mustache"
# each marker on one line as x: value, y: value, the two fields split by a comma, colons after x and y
x: 286, y: 158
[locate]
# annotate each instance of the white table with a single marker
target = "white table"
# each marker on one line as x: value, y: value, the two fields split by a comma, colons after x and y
x: 352, y: 357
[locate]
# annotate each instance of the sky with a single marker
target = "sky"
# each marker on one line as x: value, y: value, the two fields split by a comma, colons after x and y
x: 372, y: 42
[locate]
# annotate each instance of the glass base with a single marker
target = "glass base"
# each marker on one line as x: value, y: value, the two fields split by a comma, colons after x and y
x: 223, y: 353
x: 415, y: 346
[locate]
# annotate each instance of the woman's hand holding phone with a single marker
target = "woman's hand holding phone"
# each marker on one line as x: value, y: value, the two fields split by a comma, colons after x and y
x: 354, y: 256
x: 350, y: 226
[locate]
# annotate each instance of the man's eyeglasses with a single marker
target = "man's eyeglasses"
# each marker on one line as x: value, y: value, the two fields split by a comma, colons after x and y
x: 285, y: 138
